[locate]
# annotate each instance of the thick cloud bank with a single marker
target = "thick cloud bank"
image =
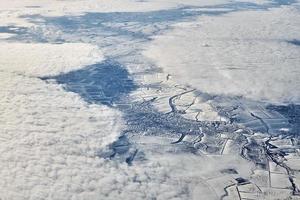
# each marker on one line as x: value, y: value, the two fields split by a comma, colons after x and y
x: 47, y: 59
x: 50, y: 139
x: 244, y: 53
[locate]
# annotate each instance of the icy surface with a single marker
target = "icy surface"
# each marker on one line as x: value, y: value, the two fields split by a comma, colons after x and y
x: 155, y: 99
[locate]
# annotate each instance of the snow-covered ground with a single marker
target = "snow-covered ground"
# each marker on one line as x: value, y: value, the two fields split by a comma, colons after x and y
x: 158, y: 99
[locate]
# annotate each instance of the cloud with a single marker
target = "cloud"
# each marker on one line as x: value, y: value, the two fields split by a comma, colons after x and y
x: 50, y: 138
x: 43, y: 59
x: 247, y: 55
x: 50, y: 141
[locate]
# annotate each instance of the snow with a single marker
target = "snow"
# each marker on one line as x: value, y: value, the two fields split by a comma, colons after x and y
x: 241, y: 53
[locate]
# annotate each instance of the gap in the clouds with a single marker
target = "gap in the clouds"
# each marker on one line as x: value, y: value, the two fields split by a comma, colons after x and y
x: 28, y: 35
x: 123, y: 24
x: 109, y: 83
x: 294, y: 42
x: 103, y: 83
x: 32, y: 6
x: 131, y: 25
x: 143, y: 120
x: 284, y: 2
x: 13, y: 30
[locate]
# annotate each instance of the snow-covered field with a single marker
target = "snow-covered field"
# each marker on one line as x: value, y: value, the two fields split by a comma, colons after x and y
x: 158, y: 99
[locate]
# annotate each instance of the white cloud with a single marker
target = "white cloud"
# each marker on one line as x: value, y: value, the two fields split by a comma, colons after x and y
x: 49, y: 139
x: 243, y: 53
x: 47, y: 59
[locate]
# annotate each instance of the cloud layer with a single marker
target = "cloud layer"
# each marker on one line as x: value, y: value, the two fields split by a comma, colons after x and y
x: 243, y: 53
